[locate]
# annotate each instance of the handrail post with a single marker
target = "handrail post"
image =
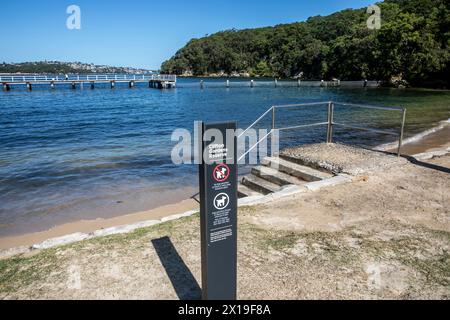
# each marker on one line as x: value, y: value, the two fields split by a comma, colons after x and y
x: 400, y: 140
x: 272, y: 132
x: 330, y: 122
x: 273, y: 118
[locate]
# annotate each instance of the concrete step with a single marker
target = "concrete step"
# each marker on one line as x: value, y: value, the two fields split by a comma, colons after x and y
x: 302, y: 172
x: 260, y: 185
x: 302, y: 162
x: 276, y: 176
x: 244, y: 192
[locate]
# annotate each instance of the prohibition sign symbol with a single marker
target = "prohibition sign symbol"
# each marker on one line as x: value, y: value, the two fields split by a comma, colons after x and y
x: 221, y: 173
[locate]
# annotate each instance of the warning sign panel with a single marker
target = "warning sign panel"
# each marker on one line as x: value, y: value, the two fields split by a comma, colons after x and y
x: 218, y: 208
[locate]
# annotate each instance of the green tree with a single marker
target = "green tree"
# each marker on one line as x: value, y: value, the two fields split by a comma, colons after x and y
x: 413, y: 43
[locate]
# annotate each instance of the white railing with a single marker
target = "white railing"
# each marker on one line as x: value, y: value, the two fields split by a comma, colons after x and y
x: 87, y: 78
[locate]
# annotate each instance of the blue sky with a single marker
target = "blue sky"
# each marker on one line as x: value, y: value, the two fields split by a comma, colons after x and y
x: 137, y: 33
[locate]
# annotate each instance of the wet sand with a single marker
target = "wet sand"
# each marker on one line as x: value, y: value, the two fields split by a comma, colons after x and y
x: 434, y: 141
x: 87, y: 226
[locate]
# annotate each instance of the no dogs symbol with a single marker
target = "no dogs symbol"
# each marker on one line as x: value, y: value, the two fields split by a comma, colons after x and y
x: 221, y: 173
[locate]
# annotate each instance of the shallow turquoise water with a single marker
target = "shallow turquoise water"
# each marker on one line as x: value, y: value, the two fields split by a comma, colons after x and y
x: 68, y: 155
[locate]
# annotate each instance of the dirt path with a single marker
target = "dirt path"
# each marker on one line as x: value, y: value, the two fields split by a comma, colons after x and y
x: 386, y: 236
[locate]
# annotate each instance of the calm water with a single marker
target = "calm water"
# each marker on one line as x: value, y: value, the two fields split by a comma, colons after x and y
x: 69, y: 155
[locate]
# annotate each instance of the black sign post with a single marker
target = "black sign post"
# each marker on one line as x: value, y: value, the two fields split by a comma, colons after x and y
x: 218, y: 210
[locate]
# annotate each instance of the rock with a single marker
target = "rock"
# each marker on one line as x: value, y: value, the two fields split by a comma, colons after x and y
x: 124, y: 229
x: 55, y: 242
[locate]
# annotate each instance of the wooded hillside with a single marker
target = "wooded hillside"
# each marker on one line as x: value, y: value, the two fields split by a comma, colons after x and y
x: 412, y: 45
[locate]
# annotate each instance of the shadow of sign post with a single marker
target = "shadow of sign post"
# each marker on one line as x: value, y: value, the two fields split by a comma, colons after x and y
x: 179, y: 274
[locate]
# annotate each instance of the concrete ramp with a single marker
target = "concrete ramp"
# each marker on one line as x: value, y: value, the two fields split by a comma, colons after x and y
x: 341, y: 158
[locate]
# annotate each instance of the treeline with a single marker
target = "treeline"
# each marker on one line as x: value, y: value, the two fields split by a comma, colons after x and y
x: 412, y: 46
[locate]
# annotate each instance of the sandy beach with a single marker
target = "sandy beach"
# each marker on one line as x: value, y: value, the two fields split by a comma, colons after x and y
x: 378, y: 237
x: 436, y: 140
x: 87, y: 226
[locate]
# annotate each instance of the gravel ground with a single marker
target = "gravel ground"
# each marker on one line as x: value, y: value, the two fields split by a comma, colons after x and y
x: 340, y: 158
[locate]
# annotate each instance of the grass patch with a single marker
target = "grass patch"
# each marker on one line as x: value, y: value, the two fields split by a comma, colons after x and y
x: 283, y: 241
x: 435, y: 268
x: 163, y: 229
x: 22, y: 271
x: 419, y: 251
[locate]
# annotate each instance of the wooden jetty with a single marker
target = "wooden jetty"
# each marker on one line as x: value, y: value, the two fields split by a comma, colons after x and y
x: 160, y: 81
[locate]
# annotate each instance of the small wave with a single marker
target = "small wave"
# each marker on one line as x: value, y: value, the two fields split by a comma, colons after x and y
x: 415, y: 138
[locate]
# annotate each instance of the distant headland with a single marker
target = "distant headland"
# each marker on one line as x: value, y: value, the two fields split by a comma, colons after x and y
x: 58, y: 67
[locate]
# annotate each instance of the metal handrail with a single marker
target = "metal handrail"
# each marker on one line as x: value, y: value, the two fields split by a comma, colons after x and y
x: 256, y: 122
x: 318, y: 124
x: 300, y: 105
x: 365, y: 129
x: 255, y: 145
x: 370, y: 107
x: 330, y: 123
x: 273, y: 110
